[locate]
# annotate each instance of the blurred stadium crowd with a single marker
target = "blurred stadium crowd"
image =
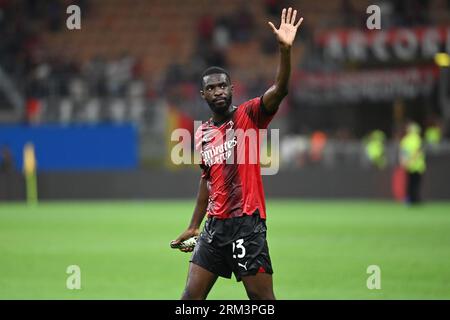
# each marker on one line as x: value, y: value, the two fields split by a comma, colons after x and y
x: 140, y: 61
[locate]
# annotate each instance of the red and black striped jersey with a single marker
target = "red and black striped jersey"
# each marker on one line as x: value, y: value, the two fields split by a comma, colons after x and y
x: 230, y: 161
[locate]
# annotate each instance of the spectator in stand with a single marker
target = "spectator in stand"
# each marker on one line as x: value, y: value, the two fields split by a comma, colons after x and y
x: 7, y: 169
x: 6, y: 160
x: 433, y: 132
x: 317, y: 142
x: 375, y: 148
x: 273, y: 7
x: 221, y: 35
x: 348, y: 13
x: 95, y: 73
x: 33, y: 111
x: 216, y: 57
x: 55, y: 12
x: 387, y: 8
x: 205, y: 28
x: 243, y: 24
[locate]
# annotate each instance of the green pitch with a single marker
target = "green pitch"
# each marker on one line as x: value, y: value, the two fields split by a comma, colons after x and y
x: 319, y: 249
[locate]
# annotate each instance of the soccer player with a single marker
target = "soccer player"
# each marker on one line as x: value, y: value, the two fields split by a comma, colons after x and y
x: 230, y: 192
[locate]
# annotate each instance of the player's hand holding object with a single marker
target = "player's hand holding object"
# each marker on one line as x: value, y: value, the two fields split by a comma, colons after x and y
x: 186, y: 241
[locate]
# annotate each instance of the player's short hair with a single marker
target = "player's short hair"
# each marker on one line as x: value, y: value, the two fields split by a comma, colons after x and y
x: 214, y: 70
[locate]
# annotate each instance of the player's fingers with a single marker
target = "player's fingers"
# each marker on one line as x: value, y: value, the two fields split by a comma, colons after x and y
x: 181, y: 238
x: 273, y: 27
x: 175, y: 245
x: 299, y: 22
x: 288, y: 16
x: 294, y: 15
x: 283, y: 16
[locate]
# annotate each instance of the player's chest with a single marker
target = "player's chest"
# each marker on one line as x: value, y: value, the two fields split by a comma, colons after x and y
x: 224, y: 144
x: 218, y: 143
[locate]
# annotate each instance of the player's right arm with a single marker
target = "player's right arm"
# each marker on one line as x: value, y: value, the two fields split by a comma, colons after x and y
x: 285, y: 35
x: 198, y: 215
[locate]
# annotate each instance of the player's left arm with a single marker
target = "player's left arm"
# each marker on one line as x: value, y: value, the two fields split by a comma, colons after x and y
x: 285, y: 35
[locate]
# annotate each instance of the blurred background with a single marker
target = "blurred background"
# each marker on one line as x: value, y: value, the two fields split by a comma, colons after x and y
x: 99, y: 103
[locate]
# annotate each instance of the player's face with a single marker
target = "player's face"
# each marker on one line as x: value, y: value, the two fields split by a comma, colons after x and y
x: 218, y: 92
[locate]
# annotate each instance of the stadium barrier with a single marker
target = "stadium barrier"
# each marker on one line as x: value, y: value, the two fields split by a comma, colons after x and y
x: 311, y: 182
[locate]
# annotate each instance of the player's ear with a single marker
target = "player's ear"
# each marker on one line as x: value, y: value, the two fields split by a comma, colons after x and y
x: 202, y: 94
x: 232, y: 88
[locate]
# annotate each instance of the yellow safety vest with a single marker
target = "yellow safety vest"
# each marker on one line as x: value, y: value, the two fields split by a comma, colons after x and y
x: 411, y: 149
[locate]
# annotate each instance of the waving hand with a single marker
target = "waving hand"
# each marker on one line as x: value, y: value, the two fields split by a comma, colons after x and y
x: 288, y: 28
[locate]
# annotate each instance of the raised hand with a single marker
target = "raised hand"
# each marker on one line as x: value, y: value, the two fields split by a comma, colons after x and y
x: 287, y: 30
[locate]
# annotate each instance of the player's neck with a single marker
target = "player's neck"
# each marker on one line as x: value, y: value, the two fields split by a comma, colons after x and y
x: 218, y: 119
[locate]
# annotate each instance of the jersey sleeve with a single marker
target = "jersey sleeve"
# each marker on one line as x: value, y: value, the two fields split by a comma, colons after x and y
x: 257, y: 113
x: 198, y: 148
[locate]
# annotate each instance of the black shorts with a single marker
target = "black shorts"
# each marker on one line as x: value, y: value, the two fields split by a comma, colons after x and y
x: 236, y: 245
